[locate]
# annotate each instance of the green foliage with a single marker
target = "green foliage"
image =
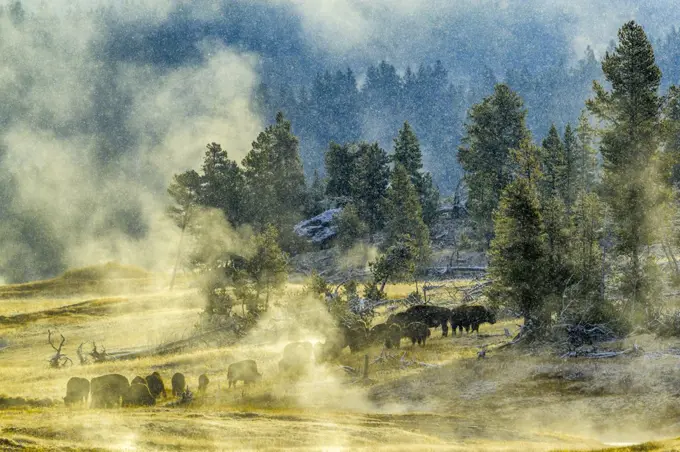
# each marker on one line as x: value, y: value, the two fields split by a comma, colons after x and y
x: 554, y: 166
x: 350, y: 227
x: 629, y: 146
x: 274, y: 179
x: 586, y: 161
x: 518, y: 253
x: 315, y: 201
x: 586, y: 253
x: 317, y: 284
x: 340, y: 165
x: 404, y: 215
x: 268, y: 266
x: 558, y: 235
x: 407, y: 154
x: 185, y: 191
x: 222, y: 184
x: 570, y: 182
x: 369, y: 182
x: 494, y: 127
x: 397, y: 263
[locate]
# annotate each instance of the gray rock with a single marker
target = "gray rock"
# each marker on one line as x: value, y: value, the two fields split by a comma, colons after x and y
x: 319, y: 228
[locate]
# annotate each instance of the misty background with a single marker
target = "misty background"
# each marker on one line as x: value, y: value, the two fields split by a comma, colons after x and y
x: 101, y: 102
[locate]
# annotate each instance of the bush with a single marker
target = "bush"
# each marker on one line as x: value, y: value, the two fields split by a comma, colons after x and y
x: 350, y: 227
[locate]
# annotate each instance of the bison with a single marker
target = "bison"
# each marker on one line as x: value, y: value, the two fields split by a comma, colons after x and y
x: 138, y: 380
x: 138, y: 395
x: 203, y: 381
x: 77, y: 390
x: 156, y: 385
x: 470, y: 317
x: 297, y: 357
x: 108, y: 390
x: 432, y: 316
x: 179, y: 384
x: 245, y: 371
x: 417, y: 332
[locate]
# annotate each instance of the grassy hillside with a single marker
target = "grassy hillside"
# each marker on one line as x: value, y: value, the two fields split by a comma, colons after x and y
x: 437, y: 397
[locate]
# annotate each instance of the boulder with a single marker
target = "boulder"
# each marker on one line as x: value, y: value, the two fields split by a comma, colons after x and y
x: 320, y: 228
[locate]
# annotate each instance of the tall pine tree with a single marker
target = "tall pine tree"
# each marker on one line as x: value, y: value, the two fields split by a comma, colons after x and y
x: 494, y: 127
x: 629, y: 147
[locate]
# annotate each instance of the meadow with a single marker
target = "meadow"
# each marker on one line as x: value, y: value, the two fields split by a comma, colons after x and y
x: 437, y: 397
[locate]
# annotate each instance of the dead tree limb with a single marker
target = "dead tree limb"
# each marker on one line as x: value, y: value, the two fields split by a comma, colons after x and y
x: 98, y: 356
x: 59, y: 359
x: 81, y: 357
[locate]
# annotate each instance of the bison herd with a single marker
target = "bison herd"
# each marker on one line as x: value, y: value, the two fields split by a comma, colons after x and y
x: 115, y: 390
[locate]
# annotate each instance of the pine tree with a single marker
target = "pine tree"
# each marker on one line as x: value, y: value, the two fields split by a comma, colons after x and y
x: 222, y: 184
x: 631, y: 112
x: 369, y: 183
x: 274, y: 178
x: 340, y: 165
x: 407, y: 153
x: 185, y: 192
x: 586, y: 161
x: 558, y: 235
x: 570, y: 146
x: 268, y: 266
x: 494, y: 127
x: 518, y: 253
x: 586, y: 253
x: 404, y: 214
x: 554, y: 165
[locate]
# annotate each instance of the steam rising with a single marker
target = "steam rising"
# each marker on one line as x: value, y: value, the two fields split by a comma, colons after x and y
x: 89, y: 145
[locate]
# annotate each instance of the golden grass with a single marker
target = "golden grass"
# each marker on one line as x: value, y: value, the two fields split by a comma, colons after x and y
x: 437, y: 397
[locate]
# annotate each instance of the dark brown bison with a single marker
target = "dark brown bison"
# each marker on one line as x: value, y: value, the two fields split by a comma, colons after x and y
x: 417, y: 332
x: 297, y: 357
x: 203, y: 381
x: 432, y: 316
x: 394, y: 335
x: 156, y: 385
x: 470, y: 317
x: 77, y: 390
x: 245, y: 371
x: 387, y: 333
x: 179, y: 384
x: 108, y: 390
x: 357, y: 336
x: 138, y: 395
x: 138, y: 380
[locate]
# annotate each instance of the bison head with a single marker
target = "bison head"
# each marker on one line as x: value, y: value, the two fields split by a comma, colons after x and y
x: 490, y: 316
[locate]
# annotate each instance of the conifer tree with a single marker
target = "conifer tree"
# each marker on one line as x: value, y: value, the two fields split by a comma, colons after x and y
x: 274, y: 178
x: 554, y: 165
x: 404, y: 214
x: 222, y: 184
x: 407, y: 153
x: 586, y: 162
x: 494, y: 127
x: 340, y: 165
x: 368, y: 184
x: 631, y: 113
x: 518, y: 253
x: 570, y: 145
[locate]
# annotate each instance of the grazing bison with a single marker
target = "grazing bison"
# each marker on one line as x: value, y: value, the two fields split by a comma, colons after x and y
x: 108, y: 390
x: 357, y: 337
x: 179, y: 384
x: 297, y: 357
x: 417, y: 332
x: 432, y: 316
x: 77, y: 390
x: 245, y: 371
x: 156, y: 385
x: 138, y: 380
x: 470, y: 317
x: 379, y: 332
x: 138, y: 395
x: 203, y: 381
